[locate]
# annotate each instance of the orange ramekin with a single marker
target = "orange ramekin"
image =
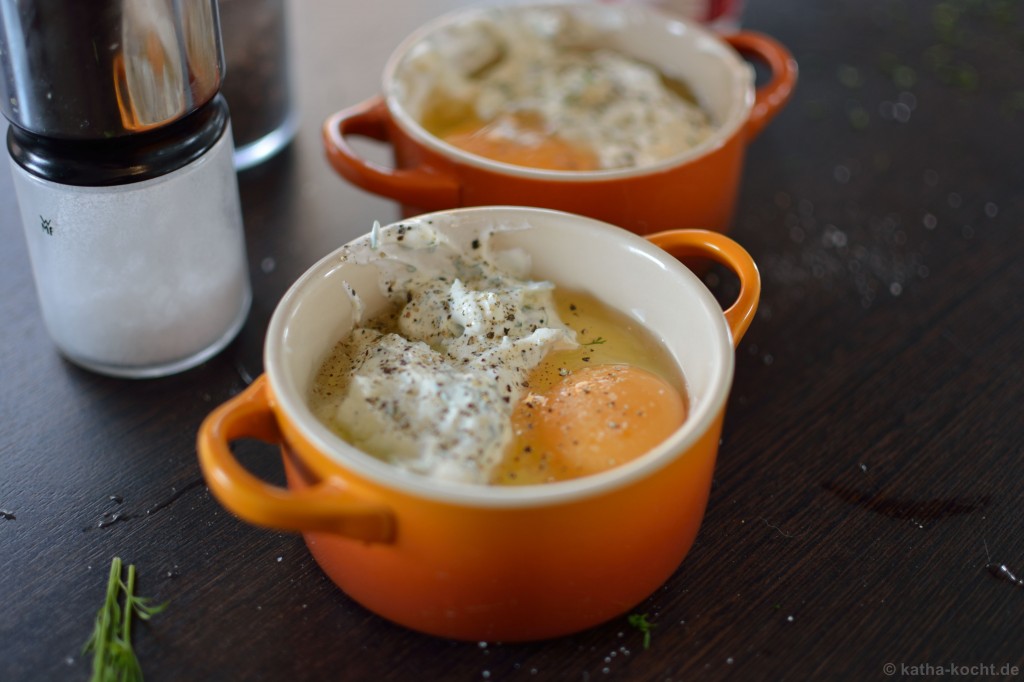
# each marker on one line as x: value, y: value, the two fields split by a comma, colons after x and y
x: 483, y: 562
x: 695, y: 189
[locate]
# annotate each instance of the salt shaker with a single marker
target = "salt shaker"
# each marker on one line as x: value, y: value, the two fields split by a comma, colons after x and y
x: 122, y: 158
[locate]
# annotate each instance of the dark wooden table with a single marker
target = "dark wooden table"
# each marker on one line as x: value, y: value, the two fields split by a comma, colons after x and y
x: 872, y: 464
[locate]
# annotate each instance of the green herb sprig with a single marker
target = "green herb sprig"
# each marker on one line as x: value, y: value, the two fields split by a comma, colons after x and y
x: 640, y: 622
x: 596, y: 342
x: 113, y: 659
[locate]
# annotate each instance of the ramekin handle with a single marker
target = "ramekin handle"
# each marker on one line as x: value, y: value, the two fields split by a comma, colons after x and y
x: 773, y: 95
x: 422, y: 186
x: 721, y: 249
x: 328, y: 506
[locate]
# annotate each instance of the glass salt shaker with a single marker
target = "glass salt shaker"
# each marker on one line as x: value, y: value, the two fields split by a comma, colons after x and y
x: 122, y: 158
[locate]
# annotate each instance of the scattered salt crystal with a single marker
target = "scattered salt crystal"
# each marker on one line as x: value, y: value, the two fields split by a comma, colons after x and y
x: 728, y: 661
x: 895, y: 288
x: 991, y: 210
x: 267, y: 265
x: 930, y: 221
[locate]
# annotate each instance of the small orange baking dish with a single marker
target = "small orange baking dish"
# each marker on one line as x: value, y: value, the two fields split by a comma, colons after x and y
x: 484, y: 562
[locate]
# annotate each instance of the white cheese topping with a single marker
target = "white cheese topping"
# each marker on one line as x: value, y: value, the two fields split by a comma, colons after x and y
x: 548, y: 67
x: 432, y: 387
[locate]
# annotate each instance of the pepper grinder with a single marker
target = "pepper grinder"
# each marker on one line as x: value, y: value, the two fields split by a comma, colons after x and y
x: 122, y: 158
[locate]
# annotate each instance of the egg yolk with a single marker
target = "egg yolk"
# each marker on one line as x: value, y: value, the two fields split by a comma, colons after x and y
x: 520, y: 142
x: 591, y: 420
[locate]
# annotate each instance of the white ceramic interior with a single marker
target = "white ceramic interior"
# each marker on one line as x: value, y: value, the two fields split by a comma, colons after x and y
x: 722, y: 82
x: 620, y: 268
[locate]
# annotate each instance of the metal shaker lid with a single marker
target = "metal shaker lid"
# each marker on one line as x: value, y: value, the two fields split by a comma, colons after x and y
x: 106, y: 68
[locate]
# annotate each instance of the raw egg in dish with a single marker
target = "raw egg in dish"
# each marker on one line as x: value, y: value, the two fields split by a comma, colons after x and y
x: 590, y: 421
x: 520, y: 141
x: 539, y: 90
x: 595, y: 407
x: 475, y: 373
